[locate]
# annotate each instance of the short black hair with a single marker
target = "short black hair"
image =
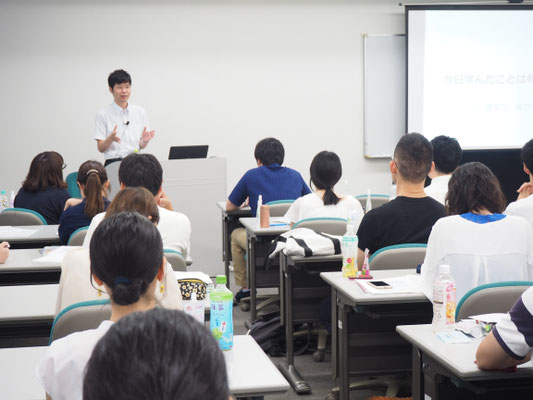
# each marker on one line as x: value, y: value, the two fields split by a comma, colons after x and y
x: 157, y: 354
x: 117, y: 77
x: 126, y: 252
x: 413, y: 155
x: 326, y: 170
x: 141, y: 170
x: 474, y: 187
x: 269, y: 151
x: 527, y: 155
x: 446, y: 153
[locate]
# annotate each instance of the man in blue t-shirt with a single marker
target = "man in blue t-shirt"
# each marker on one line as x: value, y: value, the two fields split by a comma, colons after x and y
x: 272, y: 182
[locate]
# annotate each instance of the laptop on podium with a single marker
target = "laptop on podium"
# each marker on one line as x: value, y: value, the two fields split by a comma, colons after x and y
x: 183, y: 152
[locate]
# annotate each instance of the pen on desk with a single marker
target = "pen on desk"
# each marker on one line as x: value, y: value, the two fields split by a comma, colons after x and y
x: 278, y: 224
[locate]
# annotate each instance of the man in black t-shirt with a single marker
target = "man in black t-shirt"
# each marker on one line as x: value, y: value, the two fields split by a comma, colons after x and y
x: 411, y: 215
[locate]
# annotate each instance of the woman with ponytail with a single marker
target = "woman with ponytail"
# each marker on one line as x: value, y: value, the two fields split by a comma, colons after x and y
x: 326, y: 170
x: 126, y: 253
x: 93, y: 184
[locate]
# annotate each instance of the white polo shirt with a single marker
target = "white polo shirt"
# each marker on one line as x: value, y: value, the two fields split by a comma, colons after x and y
x: 130, y: 124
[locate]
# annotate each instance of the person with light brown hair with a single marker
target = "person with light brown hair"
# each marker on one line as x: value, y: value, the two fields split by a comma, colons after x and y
x: 44, y: 189
x: 93, y: 184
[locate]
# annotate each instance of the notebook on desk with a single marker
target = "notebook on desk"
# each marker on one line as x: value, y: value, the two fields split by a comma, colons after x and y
x: 183, y: 152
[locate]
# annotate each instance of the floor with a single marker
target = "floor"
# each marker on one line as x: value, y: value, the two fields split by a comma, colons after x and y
x: 318, y: 374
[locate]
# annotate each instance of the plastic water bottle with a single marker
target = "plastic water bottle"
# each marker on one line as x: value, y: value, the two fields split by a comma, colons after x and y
x: 221, y: 323
x: 349, y: 251
x: 195, y: 309
x: 12, y: 199
x: 368, y: 205
x: 258, y: 210
x: 4, y: 200
x: 443, y: 300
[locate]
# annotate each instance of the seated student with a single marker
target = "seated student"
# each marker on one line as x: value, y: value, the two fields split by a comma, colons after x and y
x: 127, y: 259
x: 510, y: 341
x: 73, y: 283
x: 4, y: 252
x: 523, y: 206
x: 479, y: 243
x: 326, y: 170
x: 446, y: 157
x: 409, y: 217
x: 145, y: 171
x: 93, y: 183
x: 158, y: 354
x: 44, y: 189
x: 272, y: 182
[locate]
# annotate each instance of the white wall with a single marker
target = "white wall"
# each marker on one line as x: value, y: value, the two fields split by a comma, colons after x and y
x: 224, y: 73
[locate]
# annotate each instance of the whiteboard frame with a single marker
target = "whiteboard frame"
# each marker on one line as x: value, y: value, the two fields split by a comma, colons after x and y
x: 365, y: 92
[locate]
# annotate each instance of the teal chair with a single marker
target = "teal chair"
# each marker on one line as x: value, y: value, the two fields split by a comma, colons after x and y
x: 278, y: 208
x: 333, y: 226
x: 73, y: 188
x: 21, y: 217
x: 498, y: 297
x: 398, y: 256
x: 78, y: 236
x: 375, y: 199
x: 176, y: 259
x: 80, y: 317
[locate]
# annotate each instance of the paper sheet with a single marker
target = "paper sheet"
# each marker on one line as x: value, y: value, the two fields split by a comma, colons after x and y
x: 489, y: 318
x: 193, y: 275
x: 401, y: 284
x: 56, y: 255
x: 16, y: 233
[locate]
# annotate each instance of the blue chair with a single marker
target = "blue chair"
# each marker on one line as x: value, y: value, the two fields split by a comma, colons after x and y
x: 20, y: 217
x: 80, y: 317
x: 176, y: 259
x: 375, y: 199
x: 496, y: 297
x: 78, y: 236
x: 333, y: 226
x: 278, y: 208
x: 72, y: 182
x: 398, y: 256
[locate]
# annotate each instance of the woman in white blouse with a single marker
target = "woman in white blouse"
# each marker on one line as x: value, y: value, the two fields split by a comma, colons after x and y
x: 126, y: 254
x: 480, y: 244
x: 326, y: 170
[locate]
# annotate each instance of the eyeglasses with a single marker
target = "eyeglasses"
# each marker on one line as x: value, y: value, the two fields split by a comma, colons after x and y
x: 64, y: 166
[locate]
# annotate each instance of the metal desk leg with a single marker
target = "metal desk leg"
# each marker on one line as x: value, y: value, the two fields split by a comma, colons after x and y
x: 344, y: 353
x: 250, y: 263
x: 334, y: 336
x: 289, y: 370
x: 226, y: 246
x: 418, y: 376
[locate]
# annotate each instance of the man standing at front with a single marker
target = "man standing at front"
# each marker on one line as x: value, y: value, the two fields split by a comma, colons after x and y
x: 121, y: 127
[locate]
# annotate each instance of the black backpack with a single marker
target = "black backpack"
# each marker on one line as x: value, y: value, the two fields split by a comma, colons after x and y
x: 269, y: 334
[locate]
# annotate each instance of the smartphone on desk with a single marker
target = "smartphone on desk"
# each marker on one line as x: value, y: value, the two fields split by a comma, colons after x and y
x: 380, y: 285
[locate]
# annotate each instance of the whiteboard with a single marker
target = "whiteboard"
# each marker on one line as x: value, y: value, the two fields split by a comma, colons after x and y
x: 384, y: 93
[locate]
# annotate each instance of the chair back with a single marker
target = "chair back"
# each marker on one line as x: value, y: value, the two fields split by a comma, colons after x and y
x: 20, y: 217
x: 80, y: 317
x: 278, y: 208
x: 176, y: 259
x: 496, y: 297
x: 398, y: 256
x: 72, y: 183
x: 78, y: 236
x: 332, y: 226
x: 375, y: 199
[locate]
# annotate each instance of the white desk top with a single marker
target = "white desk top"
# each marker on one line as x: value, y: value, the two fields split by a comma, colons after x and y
x: 44, y: 233
x: 251, y: 225
x: 458, y: 358
x: 250, y: 371
x: 21, y: 260
x: 26, y: 302
x: 240, y: 211
x: 353, y: 291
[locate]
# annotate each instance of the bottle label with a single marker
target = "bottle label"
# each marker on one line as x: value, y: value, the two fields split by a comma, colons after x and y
x: 443, y: 305
x: 221, y: 322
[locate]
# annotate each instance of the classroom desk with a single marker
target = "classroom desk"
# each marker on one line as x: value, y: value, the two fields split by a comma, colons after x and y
x: 255, y: 235
x: 383, y: 311
x: 230, y: 220
x: 20, y: 269
x: 46, y: 235
x: 300, y: 302
x: 27, y: 314
x: 433, y: 359
x: 250, y: 372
